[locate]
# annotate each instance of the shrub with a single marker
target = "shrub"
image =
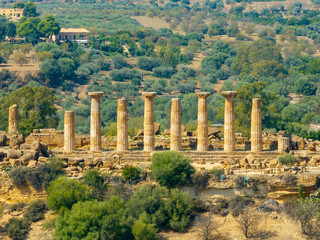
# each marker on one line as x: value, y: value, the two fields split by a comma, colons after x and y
x: 119, y: 62
x: 171, y: 168
x: 149, y: 200
x: 64, y: 192
x: 35, y: 211
x: 142, y: 229
x: 179, y: 207
x: 237, y: 204
x: 18, y: 228
x: 217, y: 173
x: 131, y: 173
x: 18, y: 176
x: 38, y: 177
x: 149, y: 63
x: 288, y: 159
x: 94, y: 220
x: 94, y: 179
x: 163, y: 72
x: 123, y: 74
x: 200, y: 179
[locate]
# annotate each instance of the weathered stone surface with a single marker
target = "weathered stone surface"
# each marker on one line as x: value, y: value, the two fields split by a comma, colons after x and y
x: 95, y: 123
x: 122, y: 126
x: 202, y: 130
x: 256, y: 126
x: 14, y: 162
x: 312, y: 147
x: 175, y: 125
x: 13, y: 119
x: 26, y: 158
x: 75, y: 161
x: 69, y: 131
x: 13, y: 154
x: 32, y: 163
x: 229, y: 124
x: 148, y: 122
x: 42, y: 160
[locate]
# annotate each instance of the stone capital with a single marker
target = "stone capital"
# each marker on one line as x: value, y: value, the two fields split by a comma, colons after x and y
x: 229, y: 94
x: 149, y: 94
x: 95, y: 94
x: 203, y: 95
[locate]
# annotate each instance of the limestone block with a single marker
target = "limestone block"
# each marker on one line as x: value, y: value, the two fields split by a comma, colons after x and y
x: 75, y: 161
x: 14, y: 143
x: 42, y: 160
x: 25, y: 146
x: 88, y: 162
x: 13, y: 154
x: 312, y: 147
x: 14, y: 162
x: 26, y: 158
x: 32, y: 163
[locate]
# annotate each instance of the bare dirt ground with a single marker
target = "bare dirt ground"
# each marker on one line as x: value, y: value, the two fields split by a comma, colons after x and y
x: 273, y: 227
x: 31, y: 67
x: 155, y: 23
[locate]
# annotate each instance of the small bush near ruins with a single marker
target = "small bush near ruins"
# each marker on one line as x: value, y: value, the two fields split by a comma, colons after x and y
x: 237, y: 204
x: 18, y: 228
x: 131, y: 173
x: 171, y: 168
x: 288, y: 159
x: 165, y: 208
x: 200, y: 179
x: 217, y: 173
x: 38, y: 177
x: 93, y: 178
x: 142, y: 229
x: 307, y: 213
x: 249, y: 221
x: 94, y: 220
x: 35, y: 211
x: 64, y: 192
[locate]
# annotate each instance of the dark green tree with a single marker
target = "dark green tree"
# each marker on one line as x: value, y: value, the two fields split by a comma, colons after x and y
x: 49, y: 27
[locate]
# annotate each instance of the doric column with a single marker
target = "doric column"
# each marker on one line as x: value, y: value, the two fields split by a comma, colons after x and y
x: 256, y: 126
x: 13, y: 119
x: 69, y: 131
x: 283, y: 144
x: 95, y: 121
x: 122, y: 126
x: 148, y: 123
x: 229, y: 126
x: 175, y: 125
x: 202, y: 130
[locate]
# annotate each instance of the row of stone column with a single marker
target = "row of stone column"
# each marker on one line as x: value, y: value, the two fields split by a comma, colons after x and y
x: 175, y: 124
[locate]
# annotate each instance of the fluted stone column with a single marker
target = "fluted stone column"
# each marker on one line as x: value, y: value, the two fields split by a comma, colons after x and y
x: 122, y: 126
x: 283, y: 144
x: 69, y: 131
x: 202, y: 130
x: 256, y: 126
x: 13, y: 119
x: 175, y: 125
x: 95, y: 121
x: 229, y: 126
x: 148, y: 123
